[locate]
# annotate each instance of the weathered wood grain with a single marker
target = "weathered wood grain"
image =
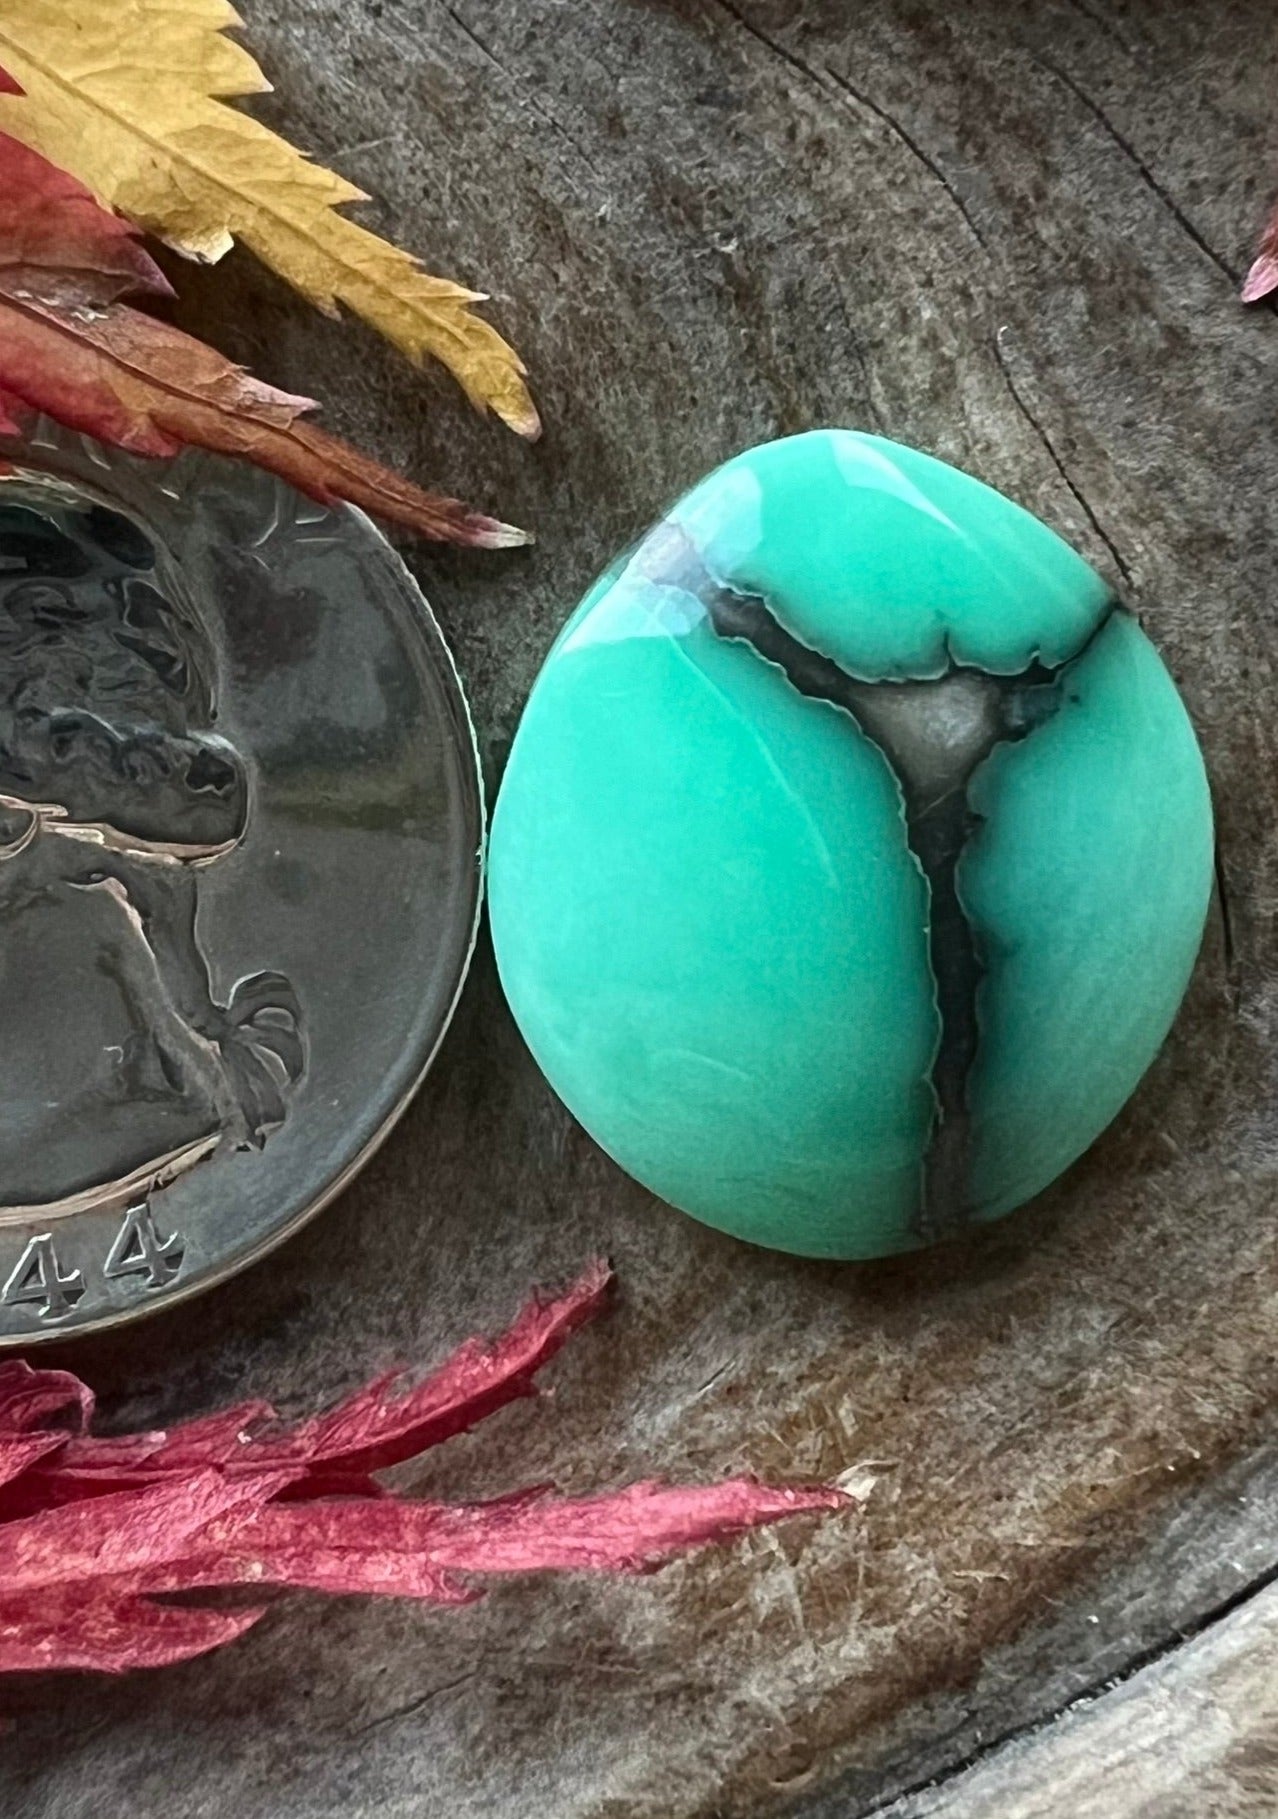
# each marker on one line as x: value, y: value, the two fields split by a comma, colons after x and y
x: 1195, y: 1737
x: 1010, y: 234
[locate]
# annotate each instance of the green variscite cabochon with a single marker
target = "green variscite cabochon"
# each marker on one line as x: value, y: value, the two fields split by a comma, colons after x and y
x: 853, y: 852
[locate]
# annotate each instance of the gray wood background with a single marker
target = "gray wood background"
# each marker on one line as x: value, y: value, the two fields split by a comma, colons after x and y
x: 1010, y: 234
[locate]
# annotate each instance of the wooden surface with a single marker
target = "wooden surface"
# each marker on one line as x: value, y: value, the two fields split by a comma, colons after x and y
x: 1194, y: 1737
x: 1009, y: 234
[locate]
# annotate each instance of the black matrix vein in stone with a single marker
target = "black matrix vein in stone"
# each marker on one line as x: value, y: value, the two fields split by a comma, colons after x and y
x: 934, y: 734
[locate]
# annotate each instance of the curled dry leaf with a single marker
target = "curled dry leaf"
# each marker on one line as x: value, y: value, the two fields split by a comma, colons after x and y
x: 70, y: 347
x: 94, y: 1529
x: 130, y: 96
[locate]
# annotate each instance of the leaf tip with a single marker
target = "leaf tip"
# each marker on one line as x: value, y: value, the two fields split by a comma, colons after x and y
x: 590, y: 1292
x: 491, y: 533
x: 524, y: 419
x: 1261, y: 279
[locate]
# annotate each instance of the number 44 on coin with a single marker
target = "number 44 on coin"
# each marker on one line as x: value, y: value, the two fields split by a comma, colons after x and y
x: 138, y: 1249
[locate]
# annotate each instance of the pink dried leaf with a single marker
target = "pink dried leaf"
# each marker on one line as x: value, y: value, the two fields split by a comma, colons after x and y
x: 217, y: 1439
x: 1262, y: 276
x: 29, y: 1397
x: 49, y: 1484
x: 91, y: 1465
x: 124, y: 1532
x: 70, y: 1628
x: 370, y: 1431
x: 414, y: 1549
x: 217, y: 1503
x: 327, y: 1547
x: 19, y: 1451
x: 625, y: 1531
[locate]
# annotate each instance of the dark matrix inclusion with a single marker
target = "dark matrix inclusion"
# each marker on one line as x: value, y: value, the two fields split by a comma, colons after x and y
x: 935, y: 733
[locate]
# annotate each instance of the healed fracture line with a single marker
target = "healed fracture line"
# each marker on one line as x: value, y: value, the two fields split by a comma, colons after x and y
x: 934, y: 734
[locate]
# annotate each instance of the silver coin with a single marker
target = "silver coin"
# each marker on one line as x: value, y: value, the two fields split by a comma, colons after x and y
x: 241, y: 833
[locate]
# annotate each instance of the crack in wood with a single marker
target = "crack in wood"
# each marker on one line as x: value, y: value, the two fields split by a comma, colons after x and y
x: 411, y: 1707
x: 1107, y: 26
x: 820, y: 80
x: 1147, y: 176
x: 912, y: 145
x: 1076, y: 491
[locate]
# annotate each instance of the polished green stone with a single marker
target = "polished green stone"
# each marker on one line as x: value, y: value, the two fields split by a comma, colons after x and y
x: 853, y: 852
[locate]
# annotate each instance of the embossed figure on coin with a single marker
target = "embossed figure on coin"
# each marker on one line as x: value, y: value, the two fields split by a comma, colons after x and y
x: 119, y: 1068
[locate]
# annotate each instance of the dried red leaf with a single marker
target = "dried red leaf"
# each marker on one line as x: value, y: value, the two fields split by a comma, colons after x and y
x: 11, y: 409
x: 68, y: 347
x: 20, y: 1451
x: 7, y: 84
x: 125, y: 1532
x: 56, y: 239
x: 28, y: 1401
x: 93, y: 1529
x: 414, y: 1549
x: 29, y: 1397
x: 371, y: 1430
x: 347, y: 1545
x: 1262, y: 275
x: 109, y: 1633
x: 627, y: 1531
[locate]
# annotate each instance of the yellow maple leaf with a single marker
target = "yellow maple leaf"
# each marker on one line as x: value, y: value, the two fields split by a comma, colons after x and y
x: 129, y: 96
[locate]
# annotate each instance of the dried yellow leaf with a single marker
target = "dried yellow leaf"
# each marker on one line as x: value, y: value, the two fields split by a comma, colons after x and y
x: 128, y: 95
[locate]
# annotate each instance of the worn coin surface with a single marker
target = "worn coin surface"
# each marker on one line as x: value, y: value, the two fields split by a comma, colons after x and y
x: 241, y: 831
